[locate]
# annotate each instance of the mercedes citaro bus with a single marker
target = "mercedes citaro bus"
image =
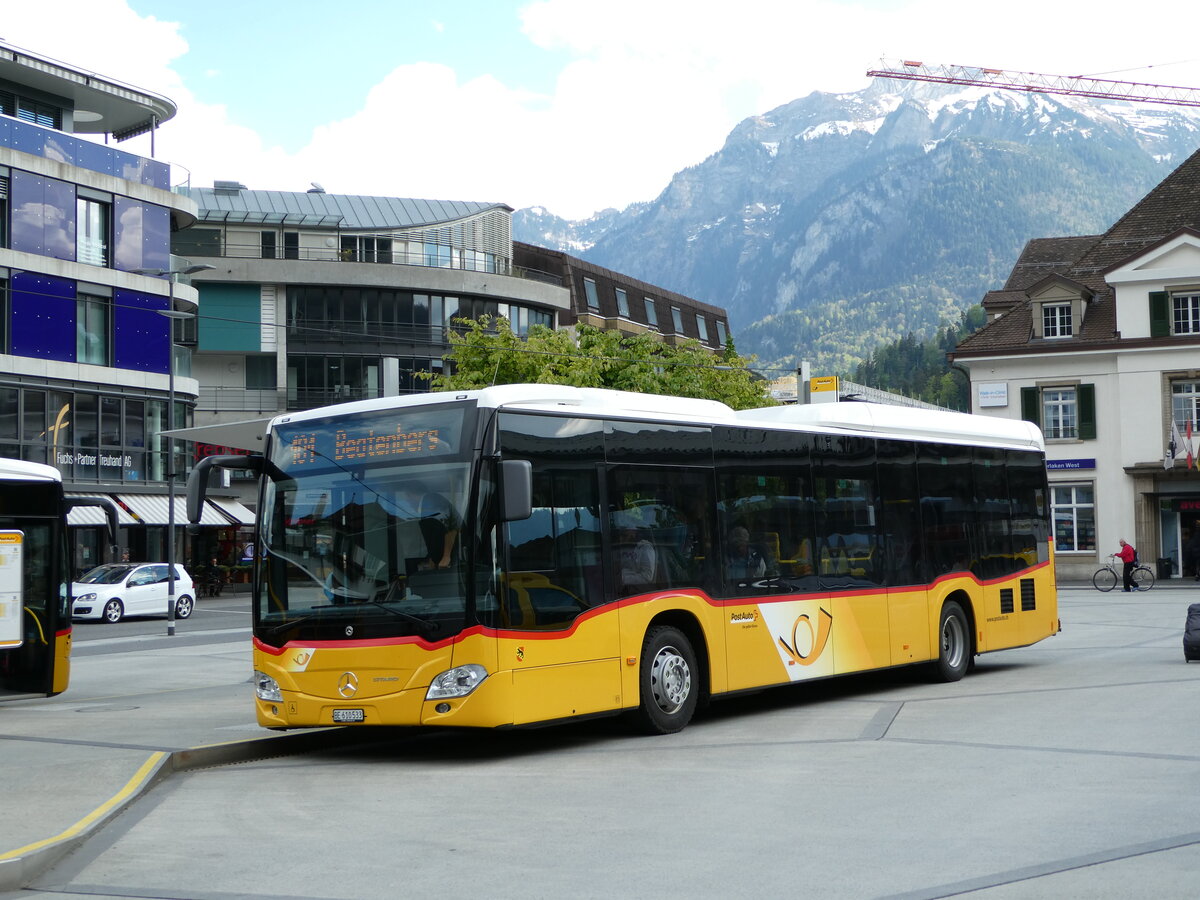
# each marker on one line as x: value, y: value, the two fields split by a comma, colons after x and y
x: 535, y: 553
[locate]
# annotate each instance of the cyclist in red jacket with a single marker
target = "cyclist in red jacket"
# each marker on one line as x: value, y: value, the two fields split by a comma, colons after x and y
x: 1128, y: 556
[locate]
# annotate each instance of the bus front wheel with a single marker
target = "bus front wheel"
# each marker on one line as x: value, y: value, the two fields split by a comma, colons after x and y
x: 669, y: 681
x: 954, y: 643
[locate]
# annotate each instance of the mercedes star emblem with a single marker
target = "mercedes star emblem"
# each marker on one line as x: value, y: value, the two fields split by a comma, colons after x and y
x: 348, y: 684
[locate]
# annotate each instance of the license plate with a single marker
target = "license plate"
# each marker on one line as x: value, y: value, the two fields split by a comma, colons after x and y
x: 348, y: 715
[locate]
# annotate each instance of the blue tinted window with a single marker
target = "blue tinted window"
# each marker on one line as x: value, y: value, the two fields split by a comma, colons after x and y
x: 25, y: 195
x: 142, y: 235
x: 43, y: 215
x: 140, y: 334
x: 128, y: 234
x: 43, y: 316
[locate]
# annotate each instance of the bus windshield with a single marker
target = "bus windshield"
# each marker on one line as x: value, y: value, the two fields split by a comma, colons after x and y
x: 363, y: 520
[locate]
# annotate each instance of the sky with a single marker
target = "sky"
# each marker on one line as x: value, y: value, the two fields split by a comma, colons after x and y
x: 572, y: 105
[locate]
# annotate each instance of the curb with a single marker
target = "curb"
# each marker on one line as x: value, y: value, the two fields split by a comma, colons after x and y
x: 21, y: 866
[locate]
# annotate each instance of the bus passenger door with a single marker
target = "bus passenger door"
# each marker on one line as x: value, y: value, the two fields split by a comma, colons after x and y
x: 556, y: 632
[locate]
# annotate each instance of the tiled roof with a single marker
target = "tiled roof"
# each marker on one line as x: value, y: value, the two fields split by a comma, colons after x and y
x: 1171, y: 206
x: 998, y: 301
x: 1045, y: 256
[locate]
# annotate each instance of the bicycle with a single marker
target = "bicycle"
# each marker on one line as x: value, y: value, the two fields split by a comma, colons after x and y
x: 1107, y: 576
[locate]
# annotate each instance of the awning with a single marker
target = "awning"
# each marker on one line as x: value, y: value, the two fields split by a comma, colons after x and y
x: 87, y: 515
x: 153, y: 509
x: 84, y: 516
x: 237, y: 513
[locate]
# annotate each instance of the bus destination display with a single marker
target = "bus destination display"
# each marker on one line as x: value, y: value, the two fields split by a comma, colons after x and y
x: 369, y: 440
x: 349, y: 447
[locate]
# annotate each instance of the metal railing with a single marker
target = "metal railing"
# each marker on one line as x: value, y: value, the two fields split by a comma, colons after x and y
x: 268, y: 402
x: 216, y: 399
x: 339, y: 331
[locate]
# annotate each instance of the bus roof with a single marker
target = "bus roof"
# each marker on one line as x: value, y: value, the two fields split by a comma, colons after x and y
x: 548, y: 397
x: 860, y: 418
x: 19, y: 470
x: 902, y: 421
x: 872, y: 419
x: 875, y: 419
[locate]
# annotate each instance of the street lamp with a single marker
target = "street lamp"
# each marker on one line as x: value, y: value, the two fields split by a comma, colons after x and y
x: 171, y: 313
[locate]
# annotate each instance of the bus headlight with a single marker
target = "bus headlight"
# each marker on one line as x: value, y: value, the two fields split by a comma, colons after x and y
x: 266, y: 687
x: 456, y: 682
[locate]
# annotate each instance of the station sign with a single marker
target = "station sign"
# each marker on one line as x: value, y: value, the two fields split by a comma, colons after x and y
x: 1059, y: 465
x: 823, y: 389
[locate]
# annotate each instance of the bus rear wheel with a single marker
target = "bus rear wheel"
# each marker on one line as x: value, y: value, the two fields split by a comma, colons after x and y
x: 954, y: 643
x: 669, y: 681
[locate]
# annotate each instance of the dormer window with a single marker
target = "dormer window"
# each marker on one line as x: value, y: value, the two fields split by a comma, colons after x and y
x: 1058, y: 307
x: 1057, y: 321
x: 589, y: 292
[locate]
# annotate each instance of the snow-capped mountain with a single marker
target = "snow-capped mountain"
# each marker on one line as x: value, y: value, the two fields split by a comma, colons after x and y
x: 840, y: 221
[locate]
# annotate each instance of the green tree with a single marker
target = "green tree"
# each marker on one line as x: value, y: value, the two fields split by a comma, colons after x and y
x: 485, y: 351
x: 920, y: 368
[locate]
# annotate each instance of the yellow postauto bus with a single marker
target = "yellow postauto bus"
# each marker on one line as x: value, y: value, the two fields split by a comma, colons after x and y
x: 534, y: 553
x: 35, y: 604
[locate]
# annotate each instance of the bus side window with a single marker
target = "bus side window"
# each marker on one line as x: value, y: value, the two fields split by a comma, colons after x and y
x: 661, y: 525
x: 847, y: 506
x: 900, y: 506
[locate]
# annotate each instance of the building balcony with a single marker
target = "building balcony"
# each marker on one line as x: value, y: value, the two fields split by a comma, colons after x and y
x: 50, y: 144
x: 193, y: 246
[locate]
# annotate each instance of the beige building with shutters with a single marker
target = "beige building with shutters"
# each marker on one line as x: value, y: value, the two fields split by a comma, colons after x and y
x: 1097, y: 340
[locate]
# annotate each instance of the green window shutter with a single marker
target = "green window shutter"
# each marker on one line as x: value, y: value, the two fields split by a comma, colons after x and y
x: 1160, y: 314
x: 1087, y: 412
x: 1031, y: 405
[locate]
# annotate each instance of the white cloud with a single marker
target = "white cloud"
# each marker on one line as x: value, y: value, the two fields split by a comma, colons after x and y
x: 651, y: 86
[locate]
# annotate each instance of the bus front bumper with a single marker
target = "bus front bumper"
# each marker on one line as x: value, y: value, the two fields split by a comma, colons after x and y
x: 490, y: 705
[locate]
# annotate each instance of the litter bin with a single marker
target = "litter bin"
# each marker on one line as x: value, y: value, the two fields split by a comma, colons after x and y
x: 1164, y: 568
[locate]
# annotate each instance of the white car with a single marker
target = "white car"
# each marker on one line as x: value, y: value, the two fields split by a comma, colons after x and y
x: 115, y: 590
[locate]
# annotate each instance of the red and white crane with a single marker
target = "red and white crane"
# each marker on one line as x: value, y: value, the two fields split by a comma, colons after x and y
x: 1036, y: 83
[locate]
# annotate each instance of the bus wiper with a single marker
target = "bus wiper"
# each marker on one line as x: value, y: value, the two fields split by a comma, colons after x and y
x: 428, y: 628
x: 292, y: 623
x: 433, y: 627
x: 425, y: 624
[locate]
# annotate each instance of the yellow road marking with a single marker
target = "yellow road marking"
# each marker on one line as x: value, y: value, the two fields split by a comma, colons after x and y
x: 118, y: 798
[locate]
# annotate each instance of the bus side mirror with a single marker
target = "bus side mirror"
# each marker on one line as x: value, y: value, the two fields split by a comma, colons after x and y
x: 109, y: 508
x: 197, y: 485
x: 516, y: 489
